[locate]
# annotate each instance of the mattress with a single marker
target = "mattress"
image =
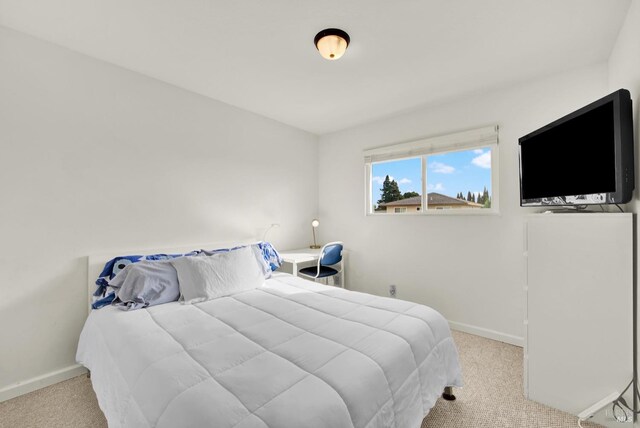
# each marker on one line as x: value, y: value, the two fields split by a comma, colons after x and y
x: 292, y: 353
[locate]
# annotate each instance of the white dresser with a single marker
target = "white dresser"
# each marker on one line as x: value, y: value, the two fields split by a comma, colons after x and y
x: 579, y: 309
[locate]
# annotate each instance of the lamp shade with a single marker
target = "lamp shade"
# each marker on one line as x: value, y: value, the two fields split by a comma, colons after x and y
x: 332, y: 43
x: 315, y: 223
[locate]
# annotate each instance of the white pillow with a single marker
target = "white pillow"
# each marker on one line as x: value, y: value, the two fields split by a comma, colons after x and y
x: 222, y: 274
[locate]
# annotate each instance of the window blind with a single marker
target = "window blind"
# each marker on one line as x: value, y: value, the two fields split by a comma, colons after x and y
x: 459, y: 140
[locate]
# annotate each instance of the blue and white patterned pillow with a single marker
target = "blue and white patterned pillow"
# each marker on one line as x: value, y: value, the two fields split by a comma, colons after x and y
x: 270, y: 255
x: 104, y: 295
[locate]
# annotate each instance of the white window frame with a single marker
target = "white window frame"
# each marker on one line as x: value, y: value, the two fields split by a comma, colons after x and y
x: 486, y: 137
x: 400, y: 210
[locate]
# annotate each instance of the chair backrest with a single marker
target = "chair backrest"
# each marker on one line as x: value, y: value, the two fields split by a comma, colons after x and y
x: 331, y: 254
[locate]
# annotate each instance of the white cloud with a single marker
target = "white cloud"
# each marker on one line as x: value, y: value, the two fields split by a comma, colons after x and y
x: 482, y: 161
x: 478, y: 151
x: 441, y: 168
x: 377, y: 180
x: 380, y: 180
x: 437, y: 186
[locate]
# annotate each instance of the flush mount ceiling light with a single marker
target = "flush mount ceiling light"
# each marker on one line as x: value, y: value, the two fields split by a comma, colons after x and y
x: 332, y: 43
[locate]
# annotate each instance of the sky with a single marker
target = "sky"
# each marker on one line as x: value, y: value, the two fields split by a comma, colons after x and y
x: 447, y: 173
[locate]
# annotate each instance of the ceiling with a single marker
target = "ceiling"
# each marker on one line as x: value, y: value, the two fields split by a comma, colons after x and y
x: 259, y: 55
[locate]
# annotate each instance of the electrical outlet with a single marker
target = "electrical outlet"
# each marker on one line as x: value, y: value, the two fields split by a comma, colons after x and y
x: 392, y: 290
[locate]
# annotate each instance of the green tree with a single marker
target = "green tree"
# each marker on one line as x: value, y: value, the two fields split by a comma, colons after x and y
x: 395, y: 191
x: 469, y: 196
x: 410, y: 195
x: 390, y: 191
x: 480, y: 199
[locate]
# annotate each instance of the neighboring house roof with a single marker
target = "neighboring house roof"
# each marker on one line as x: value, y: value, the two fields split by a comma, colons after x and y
x: 414, y: 200
x: 433, y: 198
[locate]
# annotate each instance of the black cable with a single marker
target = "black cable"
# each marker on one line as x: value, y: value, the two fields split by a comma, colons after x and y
x: 624, y: 418
x: 621, y: 403
x: 621, y: 210
x: 637, y: 396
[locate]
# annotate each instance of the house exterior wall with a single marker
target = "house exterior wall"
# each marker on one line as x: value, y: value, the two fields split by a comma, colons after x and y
x: 414, y: 208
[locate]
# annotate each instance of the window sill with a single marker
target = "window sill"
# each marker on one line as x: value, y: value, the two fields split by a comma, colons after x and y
x: 436, y: 213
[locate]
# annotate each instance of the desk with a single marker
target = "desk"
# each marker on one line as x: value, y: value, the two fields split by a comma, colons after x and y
x: 303, y: 255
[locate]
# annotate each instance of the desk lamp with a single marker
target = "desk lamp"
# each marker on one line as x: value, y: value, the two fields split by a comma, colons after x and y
x: 314, y: 223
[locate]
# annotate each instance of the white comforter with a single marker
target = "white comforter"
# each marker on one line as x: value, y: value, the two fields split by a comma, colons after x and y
x: 289, y: 354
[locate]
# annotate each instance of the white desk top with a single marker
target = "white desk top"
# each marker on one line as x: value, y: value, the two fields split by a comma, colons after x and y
x: 300, y: 255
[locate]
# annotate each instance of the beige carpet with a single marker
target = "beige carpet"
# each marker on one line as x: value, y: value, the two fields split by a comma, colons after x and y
x: 493, y: 393
x: 492, y: 397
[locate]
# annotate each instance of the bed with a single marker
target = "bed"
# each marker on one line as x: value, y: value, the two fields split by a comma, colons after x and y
x: 291, y: 353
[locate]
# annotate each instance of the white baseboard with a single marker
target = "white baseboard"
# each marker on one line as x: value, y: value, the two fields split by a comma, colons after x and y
x: 489, y: 334
x: 38, y: 382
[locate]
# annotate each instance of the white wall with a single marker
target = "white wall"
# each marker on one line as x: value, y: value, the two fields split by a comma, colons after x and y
x: 470, y: 268
x: 95, y: 158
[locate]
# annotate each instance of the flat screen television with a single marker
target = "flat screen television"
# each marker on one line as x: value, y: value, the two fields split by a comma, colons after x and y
x: 583, y: 158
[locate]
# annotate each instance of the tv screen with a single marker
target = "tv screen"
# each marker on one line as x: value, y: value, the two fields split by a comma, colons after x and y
x: 583, y: 158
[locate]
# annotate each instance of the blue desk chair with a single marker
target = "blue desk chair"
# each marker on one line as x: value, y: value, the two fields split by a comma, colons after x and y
x: 330, y: 255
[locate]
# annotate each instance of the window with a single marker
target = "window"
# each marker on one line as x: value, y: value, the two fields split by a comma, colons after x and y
x: 464, y: 175
x: 396, y: 184
x: 452, y: 174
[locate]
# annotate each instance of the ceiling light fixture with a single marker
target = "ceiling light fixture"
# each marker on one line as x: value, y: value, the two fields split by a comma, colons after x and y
x: 332, y: 43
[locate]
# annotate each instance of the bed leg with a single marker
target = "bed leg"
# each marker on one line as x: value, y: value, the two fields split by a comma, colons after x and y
x: 448, y: 394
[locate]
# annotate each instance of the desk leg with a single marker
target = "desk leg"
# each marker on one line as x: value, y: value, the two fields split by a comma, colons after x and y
x: 342, y: 278
x: 294, y: 268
